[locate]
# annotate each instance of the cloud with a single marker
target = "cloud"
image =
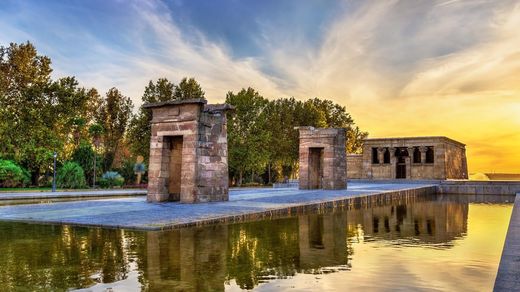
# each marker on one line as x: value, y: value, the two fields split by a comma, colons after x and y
x: 376, y: 49
x: 162, y: 49
x: 423, y: 68
x: 488, y: 67
x: 401, y: 67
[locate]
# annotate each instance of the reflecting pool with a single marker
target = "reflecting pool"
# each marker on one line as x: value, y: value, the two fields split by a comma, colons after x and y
x: 443, y: 243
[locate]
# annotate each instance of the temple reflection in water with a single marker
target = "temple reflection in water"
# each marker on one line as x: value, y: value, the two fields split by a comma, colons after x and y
x: 187, y: 259
x: 206, y: 258
x: 251, y: 253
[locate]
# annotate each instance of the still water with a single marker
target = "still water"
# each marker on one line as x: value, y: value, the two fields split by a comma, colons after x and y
x: 434, y: 243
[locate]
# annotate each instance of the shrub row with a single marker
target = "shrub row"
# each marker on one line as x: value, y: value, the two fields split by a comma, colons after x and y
x: 111, y: 179
x: 70, y: 176
x: 12, y: 175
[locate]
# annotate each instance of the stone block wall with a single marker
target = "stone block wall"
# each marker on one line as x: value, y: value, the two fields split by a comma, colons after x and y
x: 202, y: 128
x: 449, y: 158
x: 331, y: 144
x: 456, y: 162
x: 213, y: 155
x: 354, y: 166
x: 423, y: 171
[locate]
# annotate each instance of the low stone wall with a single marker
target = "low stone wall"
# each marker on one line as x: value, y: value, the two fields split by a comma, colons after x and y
x: 285, y: 185
x: 470, y: 187
x: 396, y: 181
x: 485, y: 199
x: 454, y: 187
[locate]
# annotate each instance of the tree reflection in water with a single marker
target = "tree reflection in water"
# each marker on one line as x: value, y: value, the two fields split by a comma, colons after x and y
x: 46, y: 257
x: 62, y: 257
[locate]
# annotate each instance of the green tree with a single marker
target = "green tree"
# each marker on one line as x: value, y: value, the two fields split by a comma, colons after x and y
x: 333, y: 115
x: 161, y: 90
x: 114, y: 114
x: 84, y: 156
x: 94, y: 102
x: 284, y: 115
x: 266, y: 131
x: 188, y: 88
x: 37, y: 114
x: 139, y: 130
x: 96, y: 132
x: 248, y: 136
x: 24, y: 79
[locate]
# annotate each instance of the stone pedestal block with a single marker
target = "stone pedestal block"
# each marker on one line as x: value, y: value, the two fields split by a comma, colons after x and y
x: 188, y: 152
x: 323, y: 158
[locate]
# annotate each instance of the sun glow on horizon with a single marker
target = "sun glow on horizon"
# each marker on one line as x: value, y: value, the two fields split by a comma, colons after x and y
x: 449, y: 68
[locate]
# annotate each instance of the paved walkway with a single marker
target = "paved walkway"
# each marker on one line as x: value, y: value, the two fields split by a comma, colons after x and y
x: 71, y: 194
x: 508, y: 277
x: 136, y: 213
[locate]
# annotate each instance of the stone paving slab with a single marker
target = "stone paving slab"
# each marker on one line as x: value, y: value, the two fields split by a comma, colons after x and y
x: 508, y: 276
x: 136, y: 213
x: 71, y: 194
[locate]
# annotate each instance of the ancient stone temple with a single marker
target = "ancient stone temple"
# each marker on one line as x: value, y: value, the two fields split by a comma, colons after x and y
x: 409, y: 158
x: 188, y: 152
x: 322, y: 158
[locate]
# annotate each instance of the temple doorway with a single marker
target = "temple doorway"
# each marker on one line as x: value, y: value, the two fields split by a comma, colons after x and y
x: 400, y: 166
x: 174, y: 179
x: 315, y: 168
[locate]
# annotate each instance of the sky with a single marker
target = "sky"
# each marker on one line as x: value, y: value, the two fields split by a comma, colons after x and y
x: 402, y: 68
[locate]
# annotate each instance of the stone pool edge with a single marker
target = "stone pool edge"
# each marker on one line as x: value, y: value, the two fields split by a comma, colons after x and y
x: 72, y: 194
x: 363, y: 200
x: 508, y: 275
x: 347, y: 202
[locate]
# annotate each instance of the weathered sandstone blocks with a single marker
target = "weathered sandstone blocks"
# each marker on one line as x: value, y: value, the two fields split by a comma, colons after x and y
x: 197, y: 171
x: 322, y: 158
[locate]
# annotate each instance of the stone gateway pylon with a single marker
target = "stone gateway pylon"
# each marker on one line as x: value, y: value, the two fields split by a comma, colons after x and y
x: 323, y: 158
x: 188, y: 152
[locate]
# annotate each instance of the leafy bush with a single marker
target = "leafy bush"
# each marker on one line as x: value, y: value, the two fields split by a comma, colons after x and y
x: 111, y: 179
x: 127, y: 171
x: 71, y: 176
x: 12, y: 175
x: 84, y: 156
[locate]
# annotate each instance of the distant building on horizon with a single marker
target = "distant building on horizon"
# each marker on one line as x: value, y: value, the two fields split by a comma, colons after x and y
x: 417, y: 158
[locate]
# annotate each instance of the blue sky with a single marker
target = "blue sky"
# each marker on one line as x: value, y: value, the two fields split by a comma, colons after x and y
x: 284, y: 47
x: 409, y: 67
x: 86, y: 38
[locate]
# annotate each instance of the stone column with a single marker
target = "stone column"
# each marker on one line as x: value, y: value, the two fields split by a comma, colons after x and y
x: 409, y: 163
x: 423, y: 149
x: 392, y: 161
x: 381, y: 154
x: 158, y: 169
x: 189, y: 173
x: 303, y: 178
